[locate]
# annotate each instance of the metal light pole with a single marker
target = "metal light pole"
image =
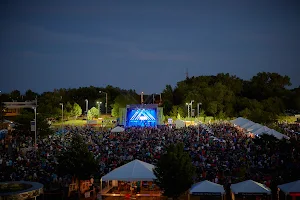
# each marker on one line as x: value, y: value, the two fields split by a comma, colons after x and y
x: 35, y: 123
x: 142, y: 97
x: 62, y: 116
x: 153, y: 98
x: 86, y: 108
x: 99, y: 108
x: 198, y: 108
x: 192, y: 106
x: 105, y: 100
x: 188, y: 108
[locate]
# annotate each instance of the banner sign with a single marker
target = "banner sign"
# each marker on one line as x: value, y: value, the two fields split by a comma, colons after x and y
x: 170, y: 121
x: 32, y: 123
x: 206, y: 194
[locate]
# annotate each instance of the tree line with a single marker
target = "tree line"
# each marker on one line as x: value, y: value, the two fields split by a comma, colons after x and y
x: 261, y: 99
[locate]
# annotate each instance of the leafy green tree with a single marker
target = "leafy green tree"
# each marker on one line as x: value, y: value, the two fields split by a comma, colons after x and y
x: 30, y: 95
x: 177, y: 110
x: 68, y: 110
x: 213, y: 108
x: 120, y: 102
x: 89, y: 115
x: 94, y: 112
x: 76, y: 110
x: 15, y: 95
x: 174, y: 171
x: 23, y: 123
x: 77, y: 160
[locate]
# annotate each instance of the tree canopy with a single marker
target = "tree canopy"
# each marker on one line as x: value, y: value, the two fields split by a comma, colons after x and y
x: 174, y: 171
x: 261, y: 99
x: 77, y: 160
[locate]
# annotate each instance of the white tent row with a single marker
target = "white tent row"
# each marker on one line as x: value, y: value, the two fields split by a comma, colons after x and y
x: 207, y: 188
x: 256, y: 129
x: 135, y: 170
x: 249, y: 187
x: 292, y: 187
x: 118, y: 129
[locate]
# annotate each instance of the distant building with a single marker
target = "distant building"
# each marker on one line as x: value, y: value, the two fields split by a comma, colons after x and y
x: 11, y: 109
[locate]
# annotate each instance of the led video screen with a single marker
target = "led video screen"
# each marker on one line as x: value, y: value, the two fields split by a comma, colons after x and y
x: 141, y: 117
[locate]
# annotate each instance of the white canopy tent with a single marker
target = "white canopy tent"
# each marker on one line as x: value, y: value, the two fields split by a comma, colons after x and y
x: 135, y: 170
x: 117, y: 129
x: 277, y: 134
x: 179, y: 123
x: 261, y: 130
x: 204, y: 187
x: 249, y: 187
x: 257, y: 129
x: 254, y: 127
x: 292, y: 187
x: 248, y: 124
x: 240, y: 121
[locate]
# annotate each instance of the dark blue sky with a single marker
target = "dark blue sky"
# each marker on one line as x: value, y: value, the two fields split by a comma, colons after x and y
x: 144, y: 44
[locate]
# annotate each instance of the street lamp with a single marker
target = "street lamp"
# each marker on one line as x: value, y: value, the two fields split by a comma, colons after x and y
x: 35, y: 122
x: 198, y: 108
x: 192, y: 106
x: 62, y: 116
x: 99, y: 108
x: 105, y: 100
x: 188, y: 108
x: 86, y: 108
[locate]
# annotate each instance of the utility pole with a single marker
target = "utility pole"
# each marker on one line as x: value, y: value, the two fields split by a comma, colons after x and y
x: 86, y: 108
x: 198, y: 108
x: 106, y: 99
x: 188, y: 108
x: 192, y: 107
x: 99, y: 108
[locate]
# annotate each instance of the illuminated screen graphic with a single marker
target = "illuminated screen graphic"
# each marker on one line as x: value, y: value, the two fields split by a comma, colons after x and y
x: 141, y: 117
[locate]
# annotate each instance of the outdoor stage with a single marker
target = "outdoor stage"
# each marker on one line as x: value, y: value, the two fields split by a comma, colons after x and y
x: 141, y: 115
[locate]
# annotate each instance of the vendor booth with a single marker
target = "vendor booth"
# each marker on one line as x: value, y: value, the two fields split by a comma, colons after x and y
x: 250, y: 190
x: 134, y: 178
x: 206, y: 190
x: 290, y: 190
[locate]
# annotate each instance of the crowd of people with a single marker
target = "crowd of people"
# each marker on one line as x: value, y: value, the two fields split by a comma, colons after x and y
x: 220, y: 152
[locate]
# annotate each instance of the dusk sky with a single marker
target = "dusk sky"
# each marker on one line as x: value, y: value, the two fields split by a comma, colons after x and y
x: 144, y: 44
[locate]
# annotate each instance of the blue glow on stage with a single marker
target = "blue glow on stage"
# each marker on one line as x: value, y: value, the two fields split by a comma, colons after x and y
x: 141, y: 117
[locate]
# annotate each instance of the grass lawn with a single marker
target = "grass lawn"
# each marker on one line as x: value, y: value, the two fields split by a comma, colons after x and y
x: 80, y: 122
x: 76, y: 122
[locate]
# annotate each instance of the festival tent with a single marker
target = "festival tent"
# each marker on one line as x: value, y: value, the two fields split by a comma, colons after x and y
x: 288, y: 188
x: 135, y: 170
x: 277, y: 134
x: 248, y: 124
x: 179, y: 123
x: 261, y: 130
x: 204, y: 187
x: 117, y: 129
x: 254, y: 127
x: 249, y: 187
x: 240, y: 121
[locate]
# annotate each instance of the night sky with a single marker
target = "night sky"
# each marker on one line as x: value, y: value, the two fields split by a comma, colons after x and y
x: 144, y: 44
